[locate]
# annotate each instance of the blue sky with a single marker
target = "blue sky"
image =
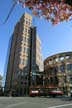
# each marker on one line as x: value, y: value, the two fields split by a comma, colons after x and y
x: 54, y: 39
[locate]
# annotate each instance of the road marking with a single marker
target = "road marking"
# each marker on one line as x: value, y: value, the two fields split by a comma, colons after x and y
x: 59, y: 106
x: 5, y: 98
x: 13, y: 105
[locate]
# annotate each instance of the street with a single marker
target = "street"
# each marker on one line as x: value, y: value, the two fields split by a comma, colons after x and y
x: 36, y: 102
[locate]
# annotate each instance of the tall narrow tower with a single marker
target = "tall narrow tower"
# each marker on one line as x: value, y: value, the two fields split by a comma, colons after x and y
x: 22, y: 61
x: 17, y: 71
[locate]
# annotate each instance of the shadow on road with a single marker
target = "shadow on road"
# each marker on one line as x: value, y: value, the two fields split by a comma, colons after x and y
x: 66, y: 98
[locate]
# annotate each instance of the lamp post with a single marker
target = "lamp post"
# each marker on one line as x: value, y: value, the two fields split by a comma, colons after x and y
x: 66, y: 83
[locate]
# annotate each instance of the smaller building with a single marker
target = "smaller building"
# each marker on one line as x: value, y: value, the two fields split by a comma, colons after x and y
x: 58, y: 70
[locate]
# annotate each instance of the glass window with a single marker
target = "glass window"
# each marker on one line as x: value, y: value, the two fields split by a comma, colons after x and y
x: 22, y: 74
x: 67, y: 57
x: 21, y: 77
x: 69, y: 67
x: 62, y: 68
x: 55, y: 69
x: 22, y: 61
x: 26, y: 30
x: 25, y: 77
x: 56, y: 80
x: 51, y: 80
x: 26, y: 22
x: 24, y: 50
x: 26, y: 62
x: 29, y: 31
x: 19, y: 73
x: 61, y: 58
x: 27, y: 40
x: 56, y: 59
x: 27, y: 50
x: 68, y: 78
x: 24, y: 39
x: 29, y: 22
x: 50, y: 62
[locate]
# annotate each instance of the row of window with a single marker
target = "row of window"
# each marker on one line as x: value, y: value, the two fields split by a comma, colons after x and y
x: 52, y: 80
x: 62, y: 68
x: 59, y: 59
x: 25, y: 50
x: 23, y: 62
x: 27, y: 21
x: 25, y: 39
x: 26, y: 30
x: 20, y: 73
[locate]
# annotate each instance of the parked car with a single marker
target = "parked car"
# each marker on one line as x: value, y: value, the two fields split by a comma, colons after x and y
x: 55, y: 92
x: 42, y: 92
x: 34, y: 92
x: 45, y: 92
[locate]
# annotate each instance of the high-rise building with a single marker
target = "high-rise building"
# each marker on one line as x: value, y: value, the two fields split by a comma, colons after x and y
x: 0, y: 81
x: 24, y: 56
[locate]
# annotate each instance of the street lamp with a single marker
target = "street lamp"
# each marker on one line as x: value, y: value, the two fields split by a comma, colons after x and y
x: 66, y: 83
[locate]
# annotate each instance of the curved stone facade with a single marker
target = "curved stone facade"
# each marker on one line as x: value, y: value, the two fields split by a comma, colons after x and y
x: 58, y: 70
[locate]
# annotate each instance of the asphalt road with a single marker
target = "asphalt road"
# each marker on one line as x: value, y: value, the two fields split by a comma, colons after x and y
x: 36, y: 102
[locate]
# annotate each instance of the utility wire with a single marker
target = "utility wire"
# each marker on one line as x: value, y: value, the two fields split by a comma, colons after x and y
x: 9, y: 13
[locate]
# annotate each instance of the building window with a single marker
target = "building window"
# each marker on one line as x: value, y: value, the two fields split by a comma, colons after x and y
x: 24, y: 49
x: 61, y: 58
x: 26, y: 30
x: 25, y: 77
x: 51, y: 80
x: 22, y: 73
x: 19, y: 73
x: 55, y: 69
x: 71, y: 79
x: 57, y: 59
x: 62, y: 68
x: 29, y: 31
x: 27, y: 40
x: 27, y: 50
x: 29, y: 22
x: 24, y: 39
x: 56, y: 80
x: 50, y: 62
x: 22, y: 61
x: 26, y: 22
x: 69, y: 67
x: 67, y: 57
